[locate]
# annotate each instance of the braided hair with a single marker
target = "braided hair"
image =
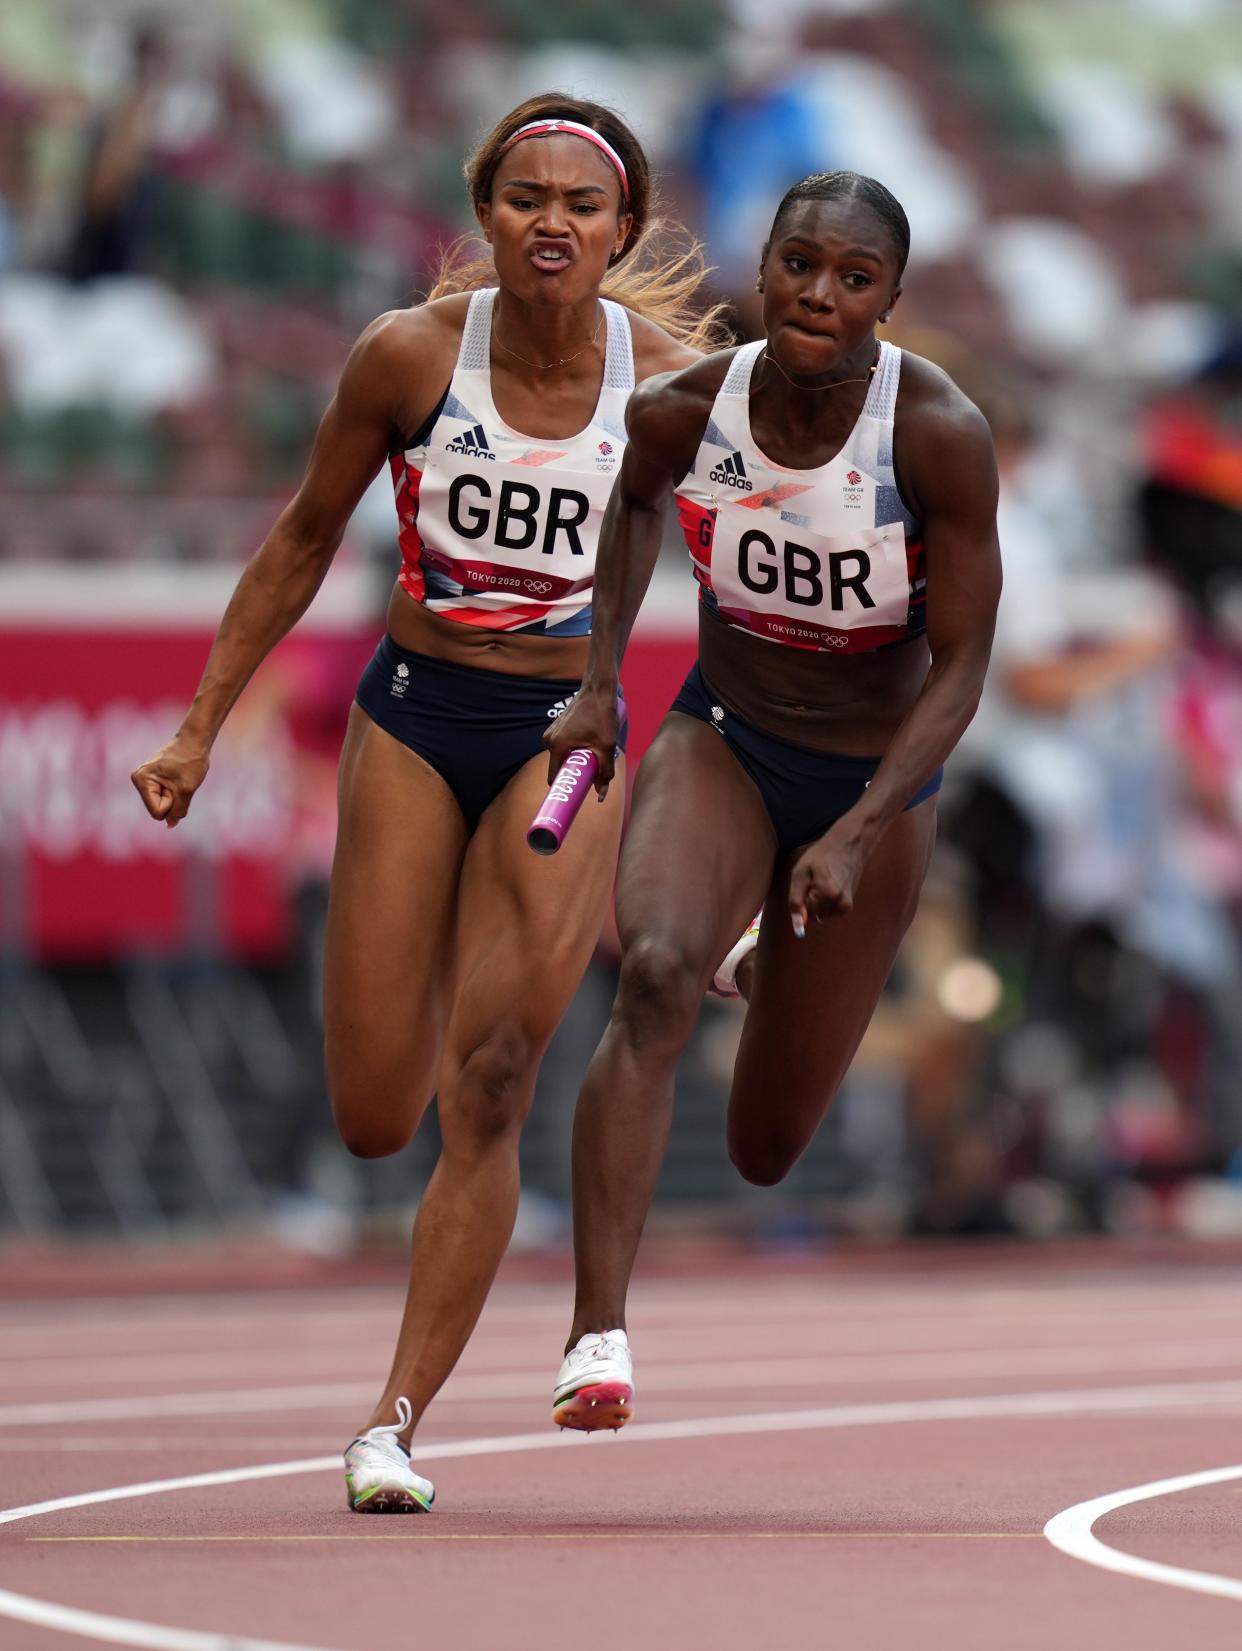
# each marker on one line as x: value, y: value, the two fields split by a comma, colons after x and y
x: 851, y: 186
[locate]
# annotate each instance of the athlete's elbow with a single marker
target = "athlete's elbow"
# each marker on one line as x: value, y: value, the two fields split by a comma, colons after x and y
x: 305, y: 539
x: 959, y: 674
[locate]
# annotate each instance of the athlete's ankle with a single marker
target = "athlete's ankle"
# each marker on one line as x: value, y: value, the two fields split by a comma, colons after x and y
x: 594, y: 1324
x: 383, y: 1414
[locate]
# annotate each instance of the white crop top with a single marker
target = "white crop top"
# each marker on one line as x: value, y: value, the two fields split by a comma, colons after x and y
x: 828, y: 559
x: 498, y: 529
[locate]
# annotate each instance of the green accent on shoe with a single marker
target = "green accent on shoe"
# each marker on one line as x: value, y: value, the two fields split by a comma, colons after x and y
x: 415, y: 1496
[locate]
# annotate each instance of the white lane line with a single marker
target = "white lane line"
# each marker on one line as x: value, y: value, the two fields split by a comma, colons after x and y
x: 155, y: 1637
x: 816, y: 1370
x: 192, y: 1357
x: 67, y: 1319
x: 1071, y: 1532
x: 245, y: 1400
x: 877, y: 1303
x: 125, y: 1631
x: 65, y: 1444
x: 834, y: 1339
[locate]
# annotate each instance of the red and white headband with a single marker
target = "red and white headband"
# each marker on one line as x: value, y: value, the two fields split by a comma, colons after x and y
x: 542, y: 128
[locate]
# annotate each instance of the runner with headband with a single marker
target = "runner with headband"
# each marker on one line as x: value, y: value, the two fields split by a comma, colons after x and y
x: 838, y: 498
x: 452, y: 951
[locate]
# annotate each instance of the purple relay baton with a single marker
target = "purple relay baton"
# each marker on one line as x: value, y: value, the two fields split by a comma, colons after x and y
x: 565, y: 797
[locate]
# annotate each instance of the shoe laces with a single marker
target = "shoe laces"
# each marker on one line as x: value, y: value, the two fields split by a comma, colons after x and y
x: 602, y: 1346
x: 384, y: 1435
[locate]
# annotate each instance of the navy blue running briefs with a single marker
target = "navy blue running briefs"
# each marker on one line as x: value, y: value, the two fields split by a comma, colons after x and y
x: 475, y: 728
x: 804, y: 790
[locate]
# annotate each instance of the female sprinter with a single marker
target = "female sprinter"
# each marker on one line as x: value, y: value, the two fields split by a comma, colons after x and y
x: 839, y: 501
x: 501, y: 410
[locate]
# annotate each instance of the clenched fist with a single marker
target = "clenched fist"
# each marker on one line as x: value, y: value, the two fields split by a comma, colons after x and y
x: 167, y: 781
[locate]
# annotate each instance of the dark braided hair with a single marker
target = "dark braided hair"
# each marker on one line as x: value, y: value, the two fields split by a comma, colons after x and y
x: 851, y: 186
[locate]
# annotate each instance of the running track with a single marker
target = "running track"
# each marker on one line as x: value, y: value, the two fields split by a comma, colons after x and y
x: 834, y: 1456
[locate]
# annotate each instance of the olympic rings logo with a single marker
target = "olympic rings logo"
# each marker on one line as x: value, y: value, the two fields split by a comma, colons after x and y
x: 540, y: 587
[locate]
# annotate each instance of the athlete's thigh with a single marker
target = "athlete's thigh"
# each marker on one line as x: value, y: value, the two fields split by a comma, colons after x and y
x: 388, y: 949
x: 812, y: 999
x: 527, y: 924
x: 699, y: 852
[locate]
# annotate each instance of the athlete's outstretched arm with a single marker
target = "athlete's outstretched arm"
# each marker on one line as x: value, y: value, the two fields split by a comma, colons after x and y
x: 280, y: 580
x: 952, y: 465
x: 663, y: 439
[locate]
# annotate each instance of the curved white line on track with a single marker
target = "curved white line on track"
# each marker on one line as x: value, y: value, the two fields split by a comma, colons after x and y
x: 1071, y: 1532
x: 156, y: 1637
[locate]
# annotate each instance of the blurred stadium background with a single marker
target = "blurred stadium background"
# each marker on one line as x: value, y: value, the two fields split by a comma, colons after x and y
x: 201, y: 205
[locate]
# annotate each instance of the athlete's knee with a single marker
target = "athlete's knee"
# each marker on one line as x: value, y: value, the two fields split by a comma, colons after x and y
x: 763, y: 1162
x: 369, y: 1137
x: 659, y: 991
x: 375, y: 1112
x: 491, y: 1094
x: 764, y: 1150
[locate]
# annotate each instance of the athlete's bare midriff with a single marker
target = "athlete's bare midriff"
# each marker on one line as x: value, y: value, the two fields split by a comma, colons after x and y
x: 852, y: 704
x: 513, y: 653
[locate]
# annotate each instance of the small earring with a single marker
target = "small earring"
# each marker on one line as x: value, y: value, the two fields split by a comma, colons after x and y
x: 759, y: 284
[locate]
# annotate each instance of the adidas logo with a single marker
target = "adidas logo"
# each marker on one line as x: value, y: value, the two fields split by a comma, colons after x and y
x: 473, y: 443
x: 731, y: 472
x: 556, y: 710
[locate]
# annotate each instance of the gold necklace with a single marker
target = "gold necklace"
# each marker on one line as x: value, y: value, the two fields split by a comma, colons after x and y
x: 546, y: 366
x: 835, y: 385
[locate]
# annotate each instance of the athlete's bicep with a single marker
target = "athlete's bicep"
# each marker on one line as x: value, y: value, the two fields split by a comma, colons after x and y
x: 355, y: 435
x: 643, y: 483
x: 958, y: 487
x: 663, y: 439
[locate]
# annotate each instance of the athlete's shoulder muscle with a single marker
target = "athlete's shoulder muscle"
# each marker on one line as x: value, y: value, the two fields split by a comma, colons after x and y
x: 941, y: 440
x: 405, y: 359
x: 668, y: 412
x: 657, y: 351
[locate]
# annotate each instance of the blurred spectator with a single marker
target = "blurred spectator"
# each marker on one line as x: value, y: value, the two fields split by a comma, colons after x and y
x: 1190, y: 498
x: 757, y: 133
x: 1080, y: 690
x: 120, y: 186
x: 14, y: 175
x: 1139, y: 958
x: 1209, y: 731
x: 1190, y: 506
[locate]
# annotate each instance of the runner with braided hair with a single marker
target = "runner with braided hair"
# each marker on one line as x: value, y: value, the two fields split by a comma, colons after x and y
x: 838, y: 499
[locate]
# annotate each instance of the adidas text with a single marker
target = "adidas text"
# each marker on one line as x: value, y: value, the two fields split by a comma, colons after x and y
x: 731, y: 472
x: 473, y: 443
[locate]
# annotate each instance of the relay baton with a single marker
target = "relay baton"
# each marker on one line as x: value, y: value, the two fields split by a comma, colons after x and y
x: 565, y: 797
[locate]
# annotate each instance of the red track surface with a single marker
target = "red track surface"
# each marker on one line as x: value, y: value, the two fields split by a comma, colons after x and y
x: 875, y: 1528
